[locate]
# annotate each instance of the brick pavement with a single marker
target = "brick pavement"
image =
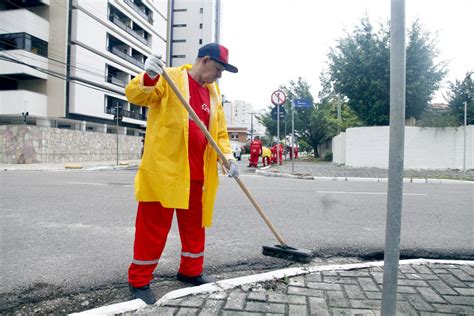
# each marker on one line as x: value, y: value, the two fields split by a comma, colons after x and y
x: 426, y: 287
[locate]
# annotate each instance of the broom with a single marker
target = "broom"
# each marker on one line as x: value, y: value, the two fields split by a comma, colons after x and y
x: 282, y: 250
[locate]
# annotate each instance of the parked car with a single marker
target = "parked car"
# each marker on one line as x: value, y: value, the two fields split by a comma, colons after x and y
x: 237, y: 152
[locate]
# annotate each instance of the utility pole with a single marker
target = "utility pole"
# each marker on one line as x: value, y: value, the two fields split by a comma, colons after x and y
x: 396, y: 158
x: 251, y: 125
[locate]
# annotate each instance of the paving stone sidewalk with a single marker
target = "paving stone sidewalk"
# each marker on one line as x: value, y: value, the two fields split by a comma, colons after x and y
x: 425, y: 288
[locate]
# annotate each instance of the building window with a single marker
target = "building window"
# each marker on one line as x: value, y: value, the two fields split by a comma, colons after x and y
x: 24, y: 41
x: 201, y: 10
x: 200, y: 41
x: 180, y: 10
x: 200, y: 25
x: 179, y: 56
x: 179, y: 41
x: 179, y: 25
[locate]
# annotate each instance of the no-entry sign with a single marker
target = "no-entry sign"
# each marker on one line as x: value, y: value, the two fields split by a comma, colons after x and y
x: 278, y: 98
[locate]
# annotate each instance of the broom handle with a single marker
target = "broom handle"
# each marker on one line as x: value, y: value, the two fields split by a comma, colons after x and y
x: 222, y: 157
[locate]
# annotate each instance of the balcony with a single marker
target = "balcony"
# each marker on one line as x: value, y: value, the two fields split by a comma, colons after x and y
x: 23, y: 72
x: 142, y: 11
x: 116, y: 81
x: 127, y: 57
x: 24, y: 21
x: 13, y: 102
x: 126, y: 113
x: 116, y: 20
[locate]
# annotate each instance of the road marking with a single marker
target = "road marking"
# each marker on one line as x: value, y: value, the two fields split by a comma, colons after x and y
x: 368, y: 193
x: 102, y: 184
x: 86, y: 183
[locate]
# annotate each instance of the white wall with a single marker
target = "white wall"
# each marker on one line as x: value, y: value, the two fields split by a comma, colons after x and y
x: 15, y: 102
x: 26, y: 57
x: 425, y: 148
x: 339, y: 148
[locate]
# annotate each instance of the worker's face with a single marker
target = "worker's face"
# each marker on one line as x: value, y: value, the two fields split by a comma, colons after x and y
x: 212, y: 70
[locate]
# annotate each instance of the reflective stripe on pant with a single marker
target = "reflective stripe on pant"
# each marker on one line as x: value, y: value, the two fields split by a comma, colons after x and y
x: 151, y: 230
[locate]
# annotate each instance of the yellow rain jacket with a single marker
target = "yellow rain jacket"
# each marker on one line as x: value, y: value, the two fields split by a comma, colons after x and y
x: 163, y: 175
x: 266, y: 152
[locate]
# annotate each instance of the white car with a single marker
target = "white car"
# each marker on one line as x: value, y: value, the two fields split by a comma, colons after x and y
x: 237, y: 152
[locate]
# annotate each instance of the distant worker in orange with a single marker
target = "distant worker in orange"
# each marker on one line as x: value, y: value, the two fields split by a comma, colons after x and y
x: 255, y: 152
x: 277, y: 149
x: 266, y: 156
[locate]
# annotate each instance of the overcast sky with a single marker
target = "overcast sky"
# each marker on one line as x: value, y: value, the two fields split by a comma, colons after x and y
x: 275, y: 41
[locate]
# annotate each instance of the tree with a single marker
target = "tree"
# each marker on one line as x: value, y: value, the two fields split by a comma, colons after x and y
x: 359, y: 68
x: 458, y: 93
x: 312, y: 125
x: 423, y: 76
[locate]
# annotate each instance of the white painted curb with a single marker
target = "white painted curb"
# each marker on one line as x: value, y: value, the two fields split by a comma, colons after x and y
x: 221, y: 286
x: 358, y: 179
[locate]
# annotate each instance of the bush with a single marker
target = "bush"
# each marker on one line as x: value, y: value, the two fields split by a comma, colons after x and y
x: 327, y: 156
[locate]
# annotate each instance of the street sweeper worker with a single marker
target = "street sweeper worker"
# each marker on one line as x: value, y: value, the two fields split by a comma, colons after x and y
x: 255, y: 152
x: 266, y: 156
x: 178, y: 171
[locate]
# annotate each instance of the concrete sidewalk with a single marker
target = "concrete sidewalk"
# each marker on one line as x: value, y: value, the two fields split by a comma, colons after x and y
x: 425, y: 287
x: 85, y: 165
x: 310, y: 169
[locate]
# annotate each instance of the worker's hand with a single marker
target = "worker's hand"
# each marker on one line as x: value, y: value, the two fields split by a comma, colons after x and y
x: 234, y: 169
x: 154, y: 66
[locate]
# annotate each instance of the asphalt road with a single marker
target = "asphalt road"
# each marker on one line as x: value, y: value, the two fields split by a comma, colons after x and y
x: 74, y: 229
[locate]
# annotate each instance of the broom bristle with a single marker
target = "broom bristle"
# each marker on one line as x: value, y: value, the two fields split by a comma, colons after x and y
x: 288, y: 253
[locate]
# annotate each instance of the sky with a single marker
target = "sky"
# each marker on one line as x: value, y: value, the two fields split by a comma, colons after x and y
x: 275, y: 41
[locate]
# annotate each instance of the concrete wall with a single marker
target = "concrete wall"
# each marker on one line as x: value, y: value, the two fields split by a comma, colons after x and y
x: 339, y: 148
x: 33, y: 144
x: 425, y: 148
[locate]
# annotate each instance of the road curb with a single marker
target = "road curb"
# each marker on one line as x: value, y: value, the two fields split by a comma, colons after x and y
x: 357, y: 179
x: 221, y: 286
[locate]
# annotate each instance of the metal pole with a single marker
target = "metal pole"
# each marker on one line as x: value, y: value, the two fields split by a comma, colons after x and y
x: 396, y: 154
x: 293, y: 137
x: 117, y: 121
x: 278, y: 135
x: 465, y: 137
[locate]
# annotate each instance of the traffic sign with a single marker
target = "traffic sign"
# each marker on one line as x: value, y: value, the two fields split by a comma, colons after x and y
x: 302, y: 103
x: 278, y: 97
x: 275, y: 113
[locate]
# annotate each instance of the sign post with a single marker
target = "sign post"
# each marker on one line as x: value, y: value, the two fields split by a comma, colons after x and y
x: 278, y: 98
x: 300, y: 103
x: 396, y: 153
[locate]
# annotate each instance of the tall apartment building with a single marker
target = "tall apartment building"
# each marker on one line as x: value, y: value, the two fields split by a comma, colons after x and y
x: 242, y: 114
x: 66, y: 63
x: 194, y: 23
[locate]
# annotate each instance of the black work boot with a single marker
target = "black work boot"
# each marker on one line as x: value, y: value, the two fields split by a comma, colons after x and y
x: 197, y: 280
x: 144, y: 293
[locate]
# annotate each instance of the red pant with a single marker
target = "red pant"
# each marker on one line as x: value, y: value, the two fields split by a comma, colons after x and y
x: 253, y: 161
x: 151, y: 231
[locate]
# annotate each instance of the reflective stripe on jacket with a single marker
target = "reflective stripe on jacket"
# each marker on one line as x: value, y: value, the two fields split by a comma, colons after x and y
x: 164, y: 174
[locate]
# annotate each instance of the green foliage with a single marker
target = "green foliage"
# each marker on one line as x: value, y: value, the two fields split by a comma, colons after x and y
x: 422, y: 75
x: 458, y: 93
x: 437, y: 118
x: 359, y: 68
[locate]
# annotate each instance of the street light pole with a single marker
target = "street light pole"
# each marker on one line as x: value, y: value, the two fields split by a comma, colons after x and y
x: 251, y: 125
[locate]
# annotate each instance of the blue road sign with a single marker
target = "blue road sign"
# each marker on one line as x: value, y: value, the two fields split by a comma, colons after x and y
x: 302, y: 103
